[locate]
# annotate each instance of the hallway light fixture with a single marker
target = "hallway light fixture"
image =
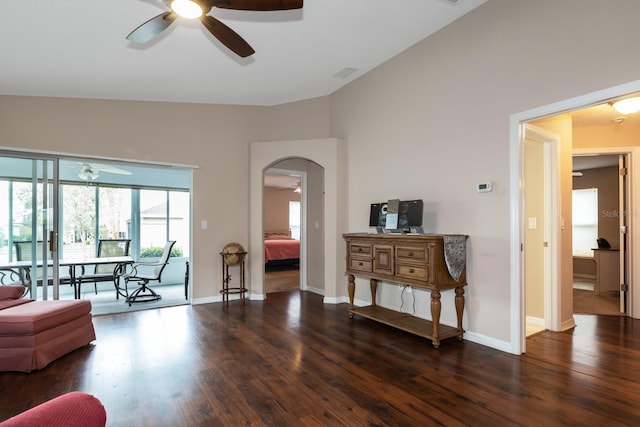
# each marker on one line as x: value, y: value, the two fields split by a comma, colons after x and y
x: 298, y: 190
x: 627, y: 105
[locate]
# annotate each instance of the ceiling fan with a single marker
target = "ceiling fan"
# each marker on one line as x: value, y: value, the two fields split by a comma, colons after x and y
x: 91, y: 171
x: 193, y: 9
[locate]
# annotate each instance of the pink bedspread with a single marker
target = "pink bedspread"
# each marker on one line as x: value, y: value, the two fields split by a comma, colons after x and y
x: 281, y: 249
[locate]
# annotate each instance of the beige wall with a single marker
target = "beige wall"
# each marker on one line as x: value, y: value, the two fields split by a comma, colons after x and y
x: 429, y: 124
x: 434, y: 121
x: 534, y: 234
x: 612, y: 135
x: 276, y: 208
x: 214, y: 139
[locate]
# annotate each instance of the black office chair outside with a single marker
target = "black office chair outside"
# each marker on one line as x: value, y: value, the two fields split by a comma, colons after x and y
x: 136, y: 273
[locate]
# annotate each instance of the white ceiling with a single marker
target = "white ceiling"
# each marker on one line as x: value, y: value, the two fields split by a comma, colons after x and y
x: 77, y: 48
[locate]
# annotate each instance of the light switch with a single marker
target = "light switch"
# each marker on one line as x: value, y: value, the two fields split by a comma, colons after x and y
x: 203, y: 224
x: 533, y: 223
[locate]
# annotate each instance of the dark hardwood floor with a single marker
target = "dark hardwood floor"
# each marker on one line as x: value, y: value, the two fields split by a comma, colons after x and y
x: 292, y: 361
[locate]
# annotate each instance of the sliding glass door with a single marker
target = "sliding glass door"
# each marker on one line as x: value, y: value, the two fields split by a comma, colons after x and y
x: 28, y: 219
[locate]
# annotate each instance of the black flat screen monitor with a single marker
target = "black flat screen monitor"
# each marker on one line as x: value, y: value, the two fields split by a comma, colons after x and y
x: 409, y: 215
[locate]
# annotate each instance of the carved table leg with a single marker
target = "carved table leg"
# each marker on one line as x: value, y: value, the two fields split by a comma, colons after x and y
x: 436, y: 308
x: 373, y: 283
x: 460, y: 309
x: 351, y: 288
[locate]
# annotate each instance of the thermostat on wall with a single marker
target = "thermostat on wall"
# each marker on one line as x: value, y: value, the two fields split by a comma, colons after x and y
x: 484, y: 187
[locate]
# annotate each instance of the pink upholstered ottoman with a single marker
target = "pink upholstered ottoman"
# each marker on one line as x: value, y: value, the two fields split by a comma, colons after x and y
x: 34, y: 333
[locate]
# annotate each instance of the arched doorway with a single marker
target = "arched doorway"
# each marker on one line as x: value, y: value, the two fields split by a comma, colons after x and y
x: 329, y: 155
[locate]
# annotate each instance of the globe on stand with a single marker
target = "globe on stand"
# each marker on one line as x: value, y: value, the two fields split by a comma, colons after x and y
x: 233, y: 253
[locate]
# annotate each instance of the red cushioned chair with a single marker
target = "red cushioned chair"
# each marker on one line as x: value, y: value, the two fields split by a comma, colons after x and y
x: 74, y: 409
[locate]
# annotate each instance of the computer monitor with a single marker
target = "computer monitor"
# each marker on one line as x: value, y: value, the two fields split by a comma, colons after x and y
x: 409, y: 214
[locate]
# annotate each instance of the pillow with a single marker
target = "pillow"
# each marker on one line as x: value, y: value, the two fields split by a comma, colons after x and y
x: 278, y: 237
x: 11, y: 292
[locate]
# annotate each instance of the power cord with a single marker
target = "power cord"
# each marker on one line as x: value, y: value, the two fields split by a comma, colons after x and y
x: 404, y: 288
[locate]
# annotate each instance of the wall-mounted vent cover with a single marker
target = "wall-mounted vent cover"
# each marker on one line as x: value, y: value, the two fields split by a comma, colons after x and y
x: 345, y: 72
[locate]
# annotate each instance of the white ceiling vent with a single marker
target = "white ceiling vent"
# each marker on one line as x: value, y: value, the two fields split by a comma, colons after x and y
x: 345, y: 72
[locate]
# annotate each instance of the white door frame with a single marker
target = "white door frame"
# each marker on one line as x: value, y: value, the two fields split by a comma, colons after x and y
x: 516, y: 131
x: 551, y: 149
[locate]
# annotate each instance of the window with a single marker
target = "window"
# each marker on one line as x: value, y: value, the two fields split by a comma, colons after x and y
x: 585, y: 221
x: 146, y: 204
x: 179, y: 207
x: 294, y: 219
x: 164, y: 215
x: 114, y: 219
x: 79, y: 221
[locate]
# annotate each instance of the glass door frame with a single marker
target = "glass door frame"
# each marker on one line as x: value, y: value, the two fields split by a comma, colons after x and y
x: 44, y: 222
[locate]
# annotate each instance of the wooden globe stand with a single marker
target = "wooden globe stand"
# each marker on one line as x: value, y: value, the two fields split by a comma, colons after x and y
x: 226, y: 277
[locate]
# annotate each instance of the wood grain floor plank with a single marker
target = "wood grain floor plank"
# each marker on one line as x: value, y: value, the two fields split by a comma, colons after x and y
x: 293, y: 361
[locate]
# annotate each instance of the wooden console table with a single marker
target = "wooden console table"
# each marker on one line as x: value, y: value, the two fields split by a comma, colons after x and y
x: 433, y: 262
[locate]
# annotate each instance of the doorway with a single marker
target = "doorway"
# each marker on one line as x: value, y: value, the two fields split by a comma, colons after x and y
x: 29, y: 222
x: 284, y: 224
x: 326, y: 191
x: 600, y: 264
x: 561, y: 118
x: 541, y: 231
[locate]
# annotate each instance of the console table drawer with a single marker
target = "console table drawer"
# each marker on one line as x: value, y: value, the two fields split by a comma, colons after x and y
x: 412, y: 272
x: 359, y: 249
x: 413, y: 254
x: 360, y: 264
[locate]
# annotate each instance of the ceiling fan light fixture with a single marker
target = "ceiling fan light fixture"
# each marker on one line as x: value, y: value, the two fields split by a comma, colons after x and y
x: 87, y: 175
x: 187, y: 8
x: 627, y: 105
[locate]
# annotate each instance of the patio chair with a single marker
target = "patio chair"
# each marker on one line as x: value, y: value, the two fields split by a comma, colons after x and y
x: 9, y: 276
x: 105, y: 272
x: 23, y: 253
x: 145, y: 272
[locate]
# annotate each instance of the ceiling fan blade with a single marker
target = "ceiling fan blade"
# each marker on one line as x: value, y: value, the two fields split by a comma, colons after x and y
x: 151, y: 28
x: 227, y: 36
x: 110, y: 169
x: 259, y: 5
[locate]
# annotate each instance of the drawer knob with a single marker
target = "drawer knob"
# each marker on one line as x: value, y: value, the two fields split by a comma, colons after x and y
x: 360, y: 264
x: 410, y: 253
x: 411, y: 270
x: 359, y: 249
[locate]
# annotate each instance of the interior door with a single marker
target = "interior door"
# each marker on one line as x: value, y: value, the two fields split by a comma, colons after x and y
x: 624, y: 195
x: 28, y: 187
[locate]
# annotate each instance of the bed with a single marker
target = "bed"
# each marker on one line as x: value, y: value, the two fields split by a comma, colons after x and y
x: 280, y: 249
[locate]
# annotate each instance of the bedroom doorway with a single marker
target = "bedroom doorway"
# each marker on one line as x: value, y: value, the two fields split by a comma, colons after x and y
x: 283, y: 231
x: 322, y: 249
